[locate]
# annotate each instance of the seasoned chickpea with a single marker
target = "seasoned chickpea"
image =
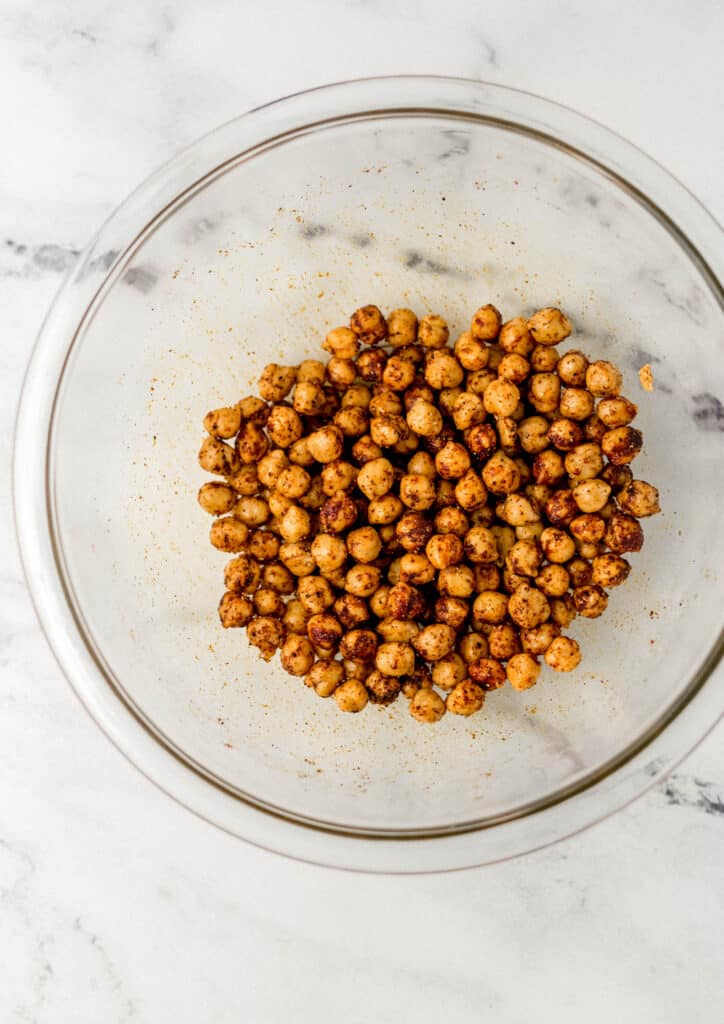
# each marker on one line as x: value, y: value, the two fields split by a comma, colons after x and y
x: 448, y: 671
x: 507, y: 433
x: 251, y: 443
x: 359, y: 645
x: 378, y: 601
x: 524, y: 558
x: 252, y: 511
x: 359, y: 670
x: 576, y: 404
x: 486, y: 323
x: 616, y: 412
x: 266, y: 633
x: 395, y: 659
x: 223, y: 423
x: 245, y: 480
x: 271, y: 466
x: 434, y: 641
x: 480, y: 545
x: 557, y: 545
x: 624, y: 533
x: 415, y: 353
x: 533, y: 434
x: 517, y: 510
x: 549, y: 326
x: 563, y: 655
x: 572, y: 369
x: 501, y: 397
x: 235, y: 610
x: 417, y: 491
x: 548, y: 467
x: 217, y: 498
x: 297, y: 558
x: 468, y: 410
x: 589, y: 529
x: 452, y: 520
x: 398, y: 373
x: 444, y: 549
x: 371, y: 365
x: 309, y: 398
x: 422, y: 463
x: 553, y: 580
x: 639, y: 499
x: 416, y: 569
x: 277, y: 577
x: 590, y: 600
x: 603, y: 379
x: 565, y: 434
x: 470, y: 491
x: 382, y: 689
x: 472, y: 646
x: 456, y: 581
x: 609, y: 570
x: 295, y: 617
x: 594, y: 429
x: 404, y: 602
x: 471, y: 353
x: 514, y: 367
x: 584, y: 462
x: 397, y: 630
x: 544, y: 359
x: 544, y: 391
x: 356, y: 397
x: 324, y: 631
x: 442, y: 370
x: 352, y: 421
x: 489, y: 608
x: 337, y: 514
x: 351, y: 696
x: 276, y: 382
x: 337, y: 476
x: 523, y: 671
x: 481, y: 440
x: 351, y: 611
x: 284, y: 426
x: 315, y: 594
x: 529, y: 531
x: 254, y: 408
x: 263, y: 545
x: 295, y: 524
x: 326, y: 444
x: 424, y: 418
x: 538, y: 639
x: 401, y: 328
x: 385, y: 510
x: 466, y: 698
x: 487, y: 673
x: 433, y: 332
x: 515, y: 337
x: 362, y: 580
x: 325, y: 676
x: 445, y: 494
x: 242, y: 574
x: 503, y: 641
x: 527, y: 606
x: 217, y: 457
x: 293, y: 482
x: 501, y: 475
x: 591, y: 495
x: 342, y: 342
x: 427, y: 706
x: 413, y: 531
x: 453, y: 611
x: 369, y: 325
x: 386, y: 430
x: 561, y: 508
x: 297, y: 655
x: 364, y: 544
x: 478, y: 381
x: 621, y: 445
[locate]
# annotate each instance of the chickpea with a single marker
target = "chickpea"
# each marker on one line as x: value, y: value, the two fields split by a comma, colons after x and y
x: 624, y: 533
x: 616, y: 412
x: 378, y: 601
x: 481, y: 440
x: 533, y: 434
x: 480, y: 545
x: 523, y: 671
x: 293, y: 482
x: 548, y: 468
x: 538, y: 639
x: 276, y: 382
x: 524, y: 558
x: 529, y: 531
x: 434, y: 641
x: 507, y: 433
x: 337, y: 476
x: 416, y: 569
x: 315, y: 594
x: 284, y: 426
x: 326, y: 444
x: 397, y: 630
x: 297, y: 557
x: 489, y: 608
x: 351, y: 611
x: 386, y: 431
x: 425, y: 419
x: 445, y: 494
x: 527, y: 606
x: 401, y: 328
x: 453, y: 611
x: 309, y: 398
x: 235, y: 610
x: 486, y: 323
x: 415, y: 353
x: 471, y: 353
x: 470, y: 491
x: 544, y: 359
x: 572, y: 369
x: 252, y: 511
x: 557, y: 545
x: 337, y: 514
x: 359, y: 645
x: 325, y: 676
x: 448, y: 671
x: 295, y: 617
x: 359, y: 670
x: 443, y: 370
x: 639, y: 499
x: 371, y: 365
x: 544, y: 391
x: 418, y: 391
x: 427, y: 706
x: 591, y: 495
x: 398, y: 374
x: 277, y: 577
x: 404, y: 602
x: 444, y: 550
x: 351, y: 696
x: 501, y: 397
x: 369, y: 325
x: 382, y: 689
x: 385, y: 510
x: 588, y: 528
x: 364, y: 544
x: 413, y: 531
x: 324, y: 631
x: 487, y: 673
x: 478, y: 381
x: 590, y: 601
x: 549, y: 326
x: 263, y: 545
x: 472, y: 647
x: 409, y: 441
x: 417, y: 491
x: 563, y: 655
x: 503, y: 641
x: 594, y: 429
x: 575, y: 404
x: 342, y: 343
x: 466, y: 698
x: 456, y: 581
x: 422, y: 463
x: 217, y: 498
x: 217, y: 457
x: 266, y: 633
x: 561, y: 508
x: 565, y: 434
x: 242, y: 574
x: 433, y: 332
x: 610, y: 570
x: 223, y: 423
x: 271, y: 466
x: 501, y: 475
x: 297, y: 656
x: 295, y: 524
x: 255, y: 409
x: 362, y: 580
x: 515, y: 337
x: 518, y: 510
x: 584, y: 462
x: 514, y: 367
x: 621, y: 445
x: 603, y: 379
x: 352, y: 421
x: 356, y: 397
x: 553, y: 580
x: 395, y: 659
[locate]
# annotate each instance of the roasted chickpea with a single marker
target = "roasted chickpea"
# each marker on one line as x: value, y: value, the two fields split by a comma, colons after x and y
x: 252, y: 511
x: 386, y: 430
x: 295, y: 617
x: 514, y: 367
x: 544, y: 391
x: 382, y: 689
x: 515, y: 337
x: 427, y: 706
x: 413, y: 531
x: 242, y: 574
x: 603, y: 379
x: 425, y: 419
x: 217, y: 498
x: 507, y: 434
x: 527, y: 606
x: 398, y: 630
x: 293, y: 482
x: 501, y: 397
x: 297, y: 558
x: 557, y: 545
x: 465, y: 698
x: 416, y: 569
x: 517, y: 510
x: 544, y: 359
x: 325, y: 676
x: 351, y: 696
x: 563, y: 655
x: 342, y: 342
x: 472, y: 646
x: 442, y: 370
x: 594, y: 429
x: 255, y: 409
x: 480, y: 545
x: 364, y: 544
x: 433, y: 332
x: 453, y: 611
x: 352, y: 421
x: 434, y: 641
x: 217, y: 457
x: 263, y: 545
x: 401, y: 328
x: 561, y: 508
x: 486, y: 323
x: 591, y: 495
x: 609, y: 570
x: 572, y: 369
x: 621, y: 445
x: 223, y: 423
x: 356, y: 397
x: 444, y: 549
x: 471, y: 353
x: 489, y: 608
x: 337, y: 514
x: 589, y: 529
x: 359, y: 645
x: 228, y: 534
x: 338, y: 476
x: 565, y: 434
x: 624, y: 533
x: 235, y: 610
x: 548, y: 467
x: 616, y: 412
x: 487, y: 673
x: 575, y: 404
x: 369, y: 325
x: 523, y: 671
x: 500, y: 474
x: 470, y: 491
x: 639, y: 499
x: 385, y: 510
x: 503, y: 641
x: 309, y: 398
x: 276, y: 382
x: 478, y: 381
x: 395, y: 659
x: 362, y: 580
x: 524, y: 558
x: 456, y: 581
x: 295, y: 524
x: 553, y: 580
x: 417, y: 491
x: 538, y: 639
x: 533, y: 434
x: 324, y: 631
x: 315, y: 594
x: 297, y: 655
x: 326, y: 444
x: 371, y: 365
x: 277, y: 577
x: 549, y: 326
x: 584, y: 462
x: 266, y: 633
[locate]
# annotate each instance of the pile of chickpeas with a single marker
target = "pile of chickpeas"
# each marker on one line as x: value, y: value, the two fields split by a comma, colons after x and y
x: 419, y: 517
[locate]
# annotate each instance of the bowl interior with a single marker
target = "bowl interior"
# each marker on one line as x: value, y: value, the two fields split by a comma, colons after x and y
x: 441, y: 213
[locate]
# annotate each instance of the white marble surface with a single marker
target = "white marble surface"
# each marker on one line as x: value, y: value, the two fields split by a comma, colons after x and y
x: 117, y: 905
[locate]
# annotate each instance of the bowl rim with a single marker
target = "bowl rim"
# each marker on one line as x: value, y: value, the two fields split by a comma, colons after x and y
x: 603, y: 791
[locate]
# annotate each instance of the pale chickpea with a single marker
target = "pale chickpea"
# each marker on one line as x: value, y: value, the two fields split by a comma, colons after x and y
x: 487, y: 673
x: 325, y: 676
x: 265, y: 633
x: 538, y: 639
x: 586, y: 550
x: 242, y: 574
x: 591, y: 495
x: 401, y: 328
x: 297, y: 558
x: 223, y: 423
x: 235, y: 610
x: 471, y: 353
x: 470, y: 491
x: 217, y: 457
x: 416, y: 568
x: 639, y: 499
x: 486, y: 323
x: 515, y: 337
x: 434, y: 641
x: 472, y: 646
x: 433, y: 331
x: 480, y: 545
x: 362, y: 580
x: 263, y: 545
x: 417, y: 491
x: 424, y: 418
x: 385, y: 510
x: 293, y: 482
x: 489, y: 608
x: 395, y: 659
x: 514, y: 367
x: 456, y: 581
x: 422, y: 463
x: 517, y: 510
x: 397, y: 630
x: 572, y: 368
x: 338, y: 476
x: 549, y: 326
x: 448, y: 671
x: 523, y: 671
x: 565, y: 434
x: 621, y: 445
x: 386, y: 430
x: 501, y: 397
x: 342, y: 342
x: 369, y: 325
x: 326, y: 444
x: 524, y: 558
x: 298, y: 452
x: 563, y: 655
x: 466, y: 698
x: 557, y: 545
x: 295, y: 617
x: 442, y: 370
x: 271, y: 466
x: 553, y: 580
x: 351, y: 696
x: 444, y: 550
x: 544, y: 359
x: 544, y: 391
x: 603, y: 379
x: 576, y: 404
x: 584, y: 462
x: 548, y: 467
x: 500, y: 474
x: 216, y: 498
x: 295, y: 524
x: 533, y: 434
x: 378, y: 601
x: 427, y: 706
x: 252, y: 511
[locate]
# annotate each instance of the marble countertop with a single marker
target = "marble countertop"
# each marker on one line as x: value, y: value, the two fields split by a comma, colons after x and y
x: 115, y: 903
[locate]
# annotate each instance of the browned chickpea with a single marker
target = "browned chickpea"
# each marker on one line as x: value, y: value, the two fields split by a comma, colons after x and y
x: 276, y: 382
x: 371, y: 365
x: 223, y: 423
x: 514, y: 367
x: 523, y: 671
x: 584, y: 462
x: 364, y: 450
x: 378, y: 601
x: 524, y: 558
x: 517, y: 510
x: 266, y: 633
x: 544, y: 359
x: 565, y: 434
x: 472, y: 646
x: 297, y: 656
x: 445, y: 494
x: 418, y: 391
x: 548, y: 467
x: 325, y: 676
x: 487, y: 673
x: 217, y: 457
x: 351, y: 696
x: 448, y: 671
x: 527, y: 606
x: 395, y: 659
x: 362, y: 580
x: 352, y: 421
x: 242, y: 574
x: 271, y: 466
x: 337, y: 514
x: 315, y: 594
x: 489, y: 608
x: 590, y: 600
x: 382, y: 689
x: 515, y: 337
x: 293, y: 482
x: 624, y: 533
x: 616, y: 412
x: 310, y: 371
x: 478, y: 381
x: 425, y: 419
x: 415, y: 353
x: 229, y: 534
x: 610, y: 570
x: 384, y: 510
x: 594, y: 429
x: 369, y: 325
x: 507, y: 434
x: 404, y: 602
x: 480, y: 545
x: 466, y: 698
x: 433, y: 332
x: 416, y: 569
x: 284, y: 426
x: 529, y: 531
x: 557, y: 545
x: 255, y: 409
x: 295, y: 524
x: 442, y: 370
x: 452, y: 611
x: 639, y: 499
x: 504, y: 538
x: 297, y: 557
x: 216, y: 498
x: 401, y: 328
x: 359, y: 645
x: 544, y: 391
x: 549, y: 326
x: 591, y: 495
x: 470, y: 491
x: 263, y: 545
x: 385, y: 402
x: 277, y: 577
x: 351, y: 611
x: 456, y: 581
x: 486, y: 323
x: 471, y: 353
x: 563, y: 655
x: 252, y: 511
x: 579, y: 571
x: 413, y: 531
x: 468, y: 410
x: 434, y: 641
x: 621, y: 445
x: 444, y: 549
x: 539, y: 639
x: 324, y: 630
x: 503, y: 641
x: 342, y: 342
x: 417, y: 491
x: 553, y: 580
x: 422, y: 463
x: 603, y: 379
x: 588, y: 528
x: 235, y: 610
x: 357, y: 397
x: 359, y: 670
x: 572, y: 369
x: 386, y: 430
x: 295, y: 617
x: 427, y: 706
x: 533, y: 434
x: 561, y: 508
x: 398, y: 374
x: 397, y: 630
x: 576, y: 404
x: 500, y: 474
x: 563, y: 611
x: 501, y: 397
x: 481, y: 440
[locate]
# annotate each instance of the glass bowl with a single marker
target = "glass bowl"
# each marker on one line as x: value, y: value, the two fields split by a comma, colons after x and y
x: 438, y: 194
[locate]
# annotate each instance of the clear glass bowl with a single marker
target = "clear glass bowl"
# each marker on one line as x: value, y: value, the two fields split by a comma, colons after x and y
x: 438, y: 194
